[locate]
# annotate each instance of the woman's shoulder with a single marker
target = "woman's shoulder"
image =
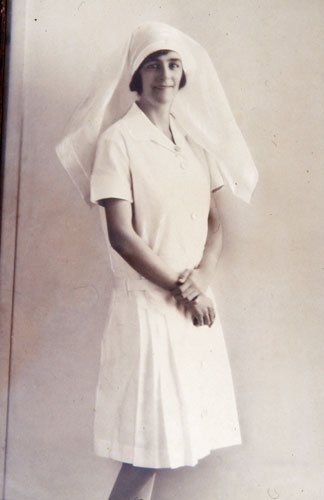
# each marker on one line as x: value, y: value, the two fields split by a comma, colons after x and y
x: 119, y: 130
x: 114, y: 132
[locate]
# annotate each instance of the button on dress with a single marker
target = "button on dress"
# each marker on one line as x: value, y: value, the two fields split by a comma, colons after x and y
x: 165, y: 394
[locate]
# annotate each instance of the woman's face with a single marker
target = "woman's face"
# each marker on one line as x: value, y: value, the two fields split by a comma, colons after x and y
x: 161, y: 78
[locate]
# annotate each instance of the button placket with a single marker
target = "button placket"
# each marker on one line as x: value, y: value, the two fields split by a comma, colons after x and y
x: 178, y: 155
x: 182, y: 164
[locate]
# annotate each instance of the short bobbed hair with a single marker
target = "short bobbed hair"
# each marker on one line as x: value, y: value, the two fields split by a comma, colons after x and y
x: 136, y: 81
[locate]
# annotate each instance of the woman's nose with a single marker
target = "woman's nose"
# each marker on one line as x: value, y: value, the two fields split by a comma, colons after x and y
x: 165, y: 71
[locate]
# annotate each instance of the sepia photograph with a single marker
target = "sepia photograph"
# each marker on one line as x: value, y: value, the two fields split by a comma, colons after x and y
x: 162, y: 264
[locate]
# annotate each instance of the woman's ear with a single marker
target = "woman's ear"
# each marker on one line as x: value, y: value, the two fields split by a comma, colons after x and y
x: 136, y: 82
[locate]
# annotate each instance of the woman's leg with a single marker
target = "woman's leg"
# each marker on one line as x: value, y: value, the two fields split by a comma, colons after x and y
x: 146, y: 492
x: 130, y: 482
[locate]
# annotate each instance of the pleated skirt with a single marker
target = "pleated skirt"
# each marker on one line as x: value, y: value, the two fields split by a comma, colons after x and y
x: 165, y: 394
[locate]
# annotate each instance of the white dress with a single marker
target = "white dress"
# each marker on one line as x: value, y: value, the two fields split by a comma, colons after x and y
x: 165, y: 394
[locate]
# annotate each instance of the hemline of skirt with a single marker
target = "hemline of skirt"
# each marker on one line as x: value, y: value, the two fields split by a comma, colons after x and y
x: 142, y: 458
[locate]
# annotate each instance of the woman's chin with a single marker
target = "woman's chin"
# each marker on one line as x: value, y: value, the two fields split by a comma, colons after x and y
x: 164, y: 96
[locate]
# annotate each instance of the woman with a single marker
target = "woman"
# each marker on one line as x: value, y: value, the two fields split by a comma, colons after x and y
x: 165, y: 396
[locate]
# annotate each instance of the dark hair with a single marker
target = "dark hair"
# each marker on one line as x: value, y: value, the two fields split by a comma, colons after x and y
x: 136, y: 81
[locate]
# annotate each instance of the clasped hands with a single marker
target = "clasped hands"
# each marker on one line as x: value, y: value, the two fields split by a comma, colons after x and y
x: 190, y: 291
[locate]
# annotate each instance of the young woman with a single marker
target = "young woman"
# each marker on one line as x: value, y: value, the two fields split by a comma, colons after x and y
x: 154, y: 142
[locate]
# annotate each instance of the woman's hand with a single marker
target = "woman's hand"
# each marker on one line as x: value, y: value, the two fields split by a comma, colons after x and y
x: 190, y: 285
x: 202, y: 311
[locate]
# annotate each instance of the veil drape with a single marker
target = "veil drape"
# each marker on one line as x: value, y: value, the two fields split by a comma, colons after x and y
x: 201, y: 109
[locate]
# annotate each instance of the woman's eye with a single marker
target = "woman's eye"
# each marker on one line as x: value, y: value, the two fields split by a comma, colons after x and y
x: 174, y: 65
x: 152, y: 66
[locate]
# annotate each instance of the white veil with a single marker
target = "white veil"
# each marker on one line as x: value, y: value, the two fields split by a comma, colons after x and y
x: 201, y: 108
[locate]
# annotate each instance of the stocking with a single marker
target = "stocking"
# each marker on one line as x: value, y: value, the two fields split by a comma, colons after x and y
x: 146, y: 491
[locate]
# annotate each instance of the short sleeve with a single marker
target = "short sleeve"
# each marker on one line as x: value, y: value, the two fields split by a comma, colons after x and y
x: 111, y: 177
x: 216, y: 179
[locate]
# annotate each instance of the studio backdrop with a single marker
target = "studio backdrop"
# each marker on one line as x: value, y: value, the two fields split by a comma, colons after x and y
x: 55, y: 277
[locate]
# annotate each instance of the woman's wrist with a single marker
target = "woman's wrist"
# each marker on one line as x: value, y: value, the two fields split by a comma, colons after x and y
x: 202, y: 276
x: 175, y: 281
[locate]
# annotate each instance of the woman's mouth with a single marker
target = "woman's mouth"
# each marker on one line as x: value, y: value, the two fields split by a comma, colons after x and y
x: 163, y: 87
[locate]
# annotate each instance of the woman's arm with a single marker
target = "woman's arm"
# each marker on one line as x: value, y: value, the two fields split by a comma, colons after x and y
x: 132, y: 247
x: 140, y: 256
x: 213, y: 246
x: 199, y: 279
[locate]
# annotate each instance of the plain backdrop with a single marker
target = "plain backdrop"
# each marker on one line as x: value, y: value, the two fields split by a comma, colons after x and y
x: 269, y: 282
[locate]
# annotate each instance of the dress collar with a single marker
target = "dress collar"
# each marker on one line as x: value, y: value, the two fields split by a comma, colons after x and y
x: 141, y: 128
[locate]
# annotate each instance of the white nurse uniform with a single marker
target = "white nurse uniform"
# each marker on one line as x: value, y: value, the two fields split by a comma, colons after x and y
x: 165, y: 394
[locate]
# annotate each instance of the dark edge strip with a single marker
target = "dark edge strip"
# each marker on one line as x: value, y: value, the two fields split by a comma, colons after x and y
x: 5, y: 20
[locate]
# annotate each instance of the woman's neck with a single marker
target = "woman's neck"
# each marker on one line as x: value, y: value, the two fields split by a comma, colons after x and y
x: 159, y: 116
